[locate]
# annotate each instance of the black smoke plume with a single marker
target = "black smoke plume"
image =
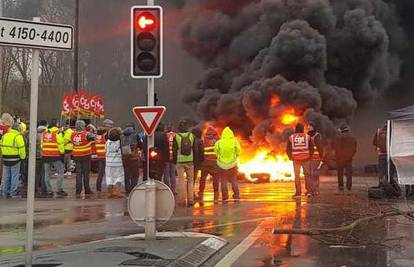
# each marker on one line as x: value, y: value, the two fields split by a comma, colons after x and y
x: 320, y: 57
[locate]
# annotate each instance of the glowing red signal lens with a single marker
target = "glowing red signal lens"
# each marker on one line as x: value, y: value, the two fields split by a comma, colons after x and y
x: 146, y: 21
x: 153, y: 155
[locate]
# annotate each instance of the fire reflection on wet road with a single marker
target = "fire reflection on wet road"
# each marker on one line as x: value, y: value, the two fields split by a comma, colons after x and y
x: 62, y: 222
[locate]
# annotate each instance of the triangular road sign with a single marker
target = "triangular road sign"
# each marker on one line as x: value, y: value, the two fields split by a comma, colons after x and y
x: 149, y: 117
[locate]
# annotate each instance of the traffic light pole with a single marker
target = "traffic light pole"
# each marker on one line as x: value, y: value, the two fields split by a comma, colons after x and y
x: 151, y: 188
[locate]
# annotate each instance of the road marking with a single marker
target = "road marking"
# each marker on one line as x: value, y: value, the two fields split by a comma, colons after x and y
x: 227, y: 224
x: 236, y: 252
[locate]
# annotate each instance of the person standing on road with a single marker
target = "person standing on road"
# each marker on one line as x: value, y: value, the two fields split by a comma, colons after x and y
x: 53, y: 150
x: 345, y: 150
x: 100, y: 141
x: 158, y: 154
x: 82, y: 151
x: 114, y: 169
x: 316, y: 159
x: 13, y: 150
x: 184, y: 150
x: 40, y: 185
x: 67, y: 137
x: 209, y: 165
x: 4, y: 128
x: 169, y: 172
x: 131, y: 156
x: 300, y: 150
x: 228, y: 151
x: 380, y: 143
x: 199, y: 157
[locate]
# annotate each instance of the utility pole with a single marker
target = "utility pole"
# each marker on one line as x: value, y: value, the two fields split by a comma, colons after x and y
x: 76, y: 51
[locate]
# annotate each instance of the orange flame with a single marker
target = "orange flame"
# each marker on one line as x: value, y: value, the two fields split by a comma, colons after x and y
x: 274, y: 101
x: 289, y: 118
x: 277, y: 166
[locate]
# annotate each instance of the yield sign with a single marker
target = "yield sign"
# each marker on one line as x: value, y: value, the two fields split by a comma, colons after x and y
x: 149, y: 117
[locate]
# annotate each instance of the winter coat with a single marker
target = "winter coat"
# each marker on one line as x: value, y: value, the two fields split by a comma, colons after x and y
x: 113, y: 153
x: 345, y: 147
x: 227, y: 150
x: 114, y: 170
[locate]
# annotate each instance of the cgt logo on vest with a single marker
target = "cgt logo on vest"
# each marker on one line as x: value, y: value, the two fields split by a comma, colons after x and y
x: 48, y: 137
x: 299, y: 141
x: 98, y: 138
x: 77, y: 139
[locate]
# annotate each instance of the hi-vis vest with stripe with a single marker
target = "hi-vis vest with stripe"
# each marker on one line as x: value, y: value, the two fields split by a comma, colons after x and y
x: 81, y: 146
x: 300, y: 146
x: 209, y: 143
x: 50, y: 146
x: 100, y: 142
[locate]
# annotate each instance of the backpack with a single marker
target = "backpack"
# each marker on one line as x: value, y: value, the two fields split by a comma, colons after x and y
x: 128, y: 145
x: 186, y: 145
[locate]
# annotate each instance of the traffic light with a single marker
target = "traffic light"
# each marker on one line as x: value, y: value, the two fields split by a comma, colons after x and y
x: 146, y: 42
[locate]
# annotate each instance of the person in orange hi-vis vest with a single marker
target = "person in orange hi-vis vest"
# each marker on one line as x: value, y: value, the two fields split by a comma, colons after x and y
x: 209, y: 165
x: 52, y: 149
x: 82, y: 151
x: 100, y: 141
x: 169, y: 172
x: 300, y: 150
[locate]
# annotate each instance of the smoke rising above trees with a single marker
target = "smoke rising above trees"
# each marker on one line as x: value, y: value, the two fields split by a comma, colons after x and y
x: 321, y: 57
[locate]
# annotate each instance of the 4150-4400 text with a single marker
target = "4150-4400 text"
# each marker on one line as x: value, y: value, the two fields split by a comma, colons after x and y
x: 24, y: 33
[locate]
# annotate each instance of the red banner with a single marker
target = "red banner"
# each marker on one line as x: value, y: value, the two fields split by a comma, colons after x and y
x: 75, y: 103
x: 84, y: 103
x: 100, y: 107
x: 66, y: 106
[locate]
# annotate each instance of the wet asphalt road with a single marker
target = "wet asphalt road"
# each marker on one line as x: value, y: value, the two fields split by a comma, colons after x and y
x: 246, y: 225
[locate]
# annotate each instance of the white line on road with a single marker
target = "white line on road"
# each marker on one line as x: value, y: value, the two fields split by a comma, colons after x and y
x: 236, y: 252
x: 227, y: 224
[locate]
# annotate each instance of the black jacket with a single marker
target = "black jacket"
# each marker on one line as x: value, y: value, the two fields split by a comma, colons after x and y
x: 160, y: 142
x: 317, y: 141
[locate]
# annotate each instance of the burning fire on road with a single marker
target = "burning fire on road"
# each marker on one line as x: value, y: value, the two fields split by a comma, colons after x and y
x: 266, y: 165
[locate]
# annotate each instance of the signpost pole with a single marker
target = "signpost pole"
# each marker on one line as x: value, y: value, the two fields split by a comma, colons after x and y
x: 1, y: 65
x: 150, y: 196
x: 32, y: 155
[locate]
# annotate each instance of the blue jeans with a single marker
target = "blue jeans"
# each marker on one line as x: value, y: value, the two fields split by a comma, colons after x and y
x: 10, y: 179
x: 60, y: 169
x: 169, y: 175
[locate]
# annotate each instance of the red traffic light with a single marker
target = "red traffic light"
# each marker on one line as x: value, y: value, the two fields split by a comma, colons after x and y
x: 153, y: 155
x: 146, y: 21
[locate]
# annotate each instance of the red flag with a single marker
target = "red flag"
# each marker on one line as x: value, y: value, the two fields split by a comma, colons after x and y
x: 66, y: 106
x: 93, y: 109
x: 100, y: 107
x: 75, y: 103
x: 84, y: 102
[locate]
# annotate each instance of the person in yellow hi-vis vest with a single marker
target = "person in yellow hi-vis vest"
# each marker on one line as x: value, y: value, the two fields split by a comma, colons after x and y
x: 227, y: 150
x: 67, y: 138
x: 13, y: 149
x: 184, y: 151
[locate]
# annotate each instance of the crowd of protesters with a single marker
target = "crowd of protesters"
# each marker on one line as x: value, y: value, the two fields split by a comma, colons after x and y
x: 118, y: 156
